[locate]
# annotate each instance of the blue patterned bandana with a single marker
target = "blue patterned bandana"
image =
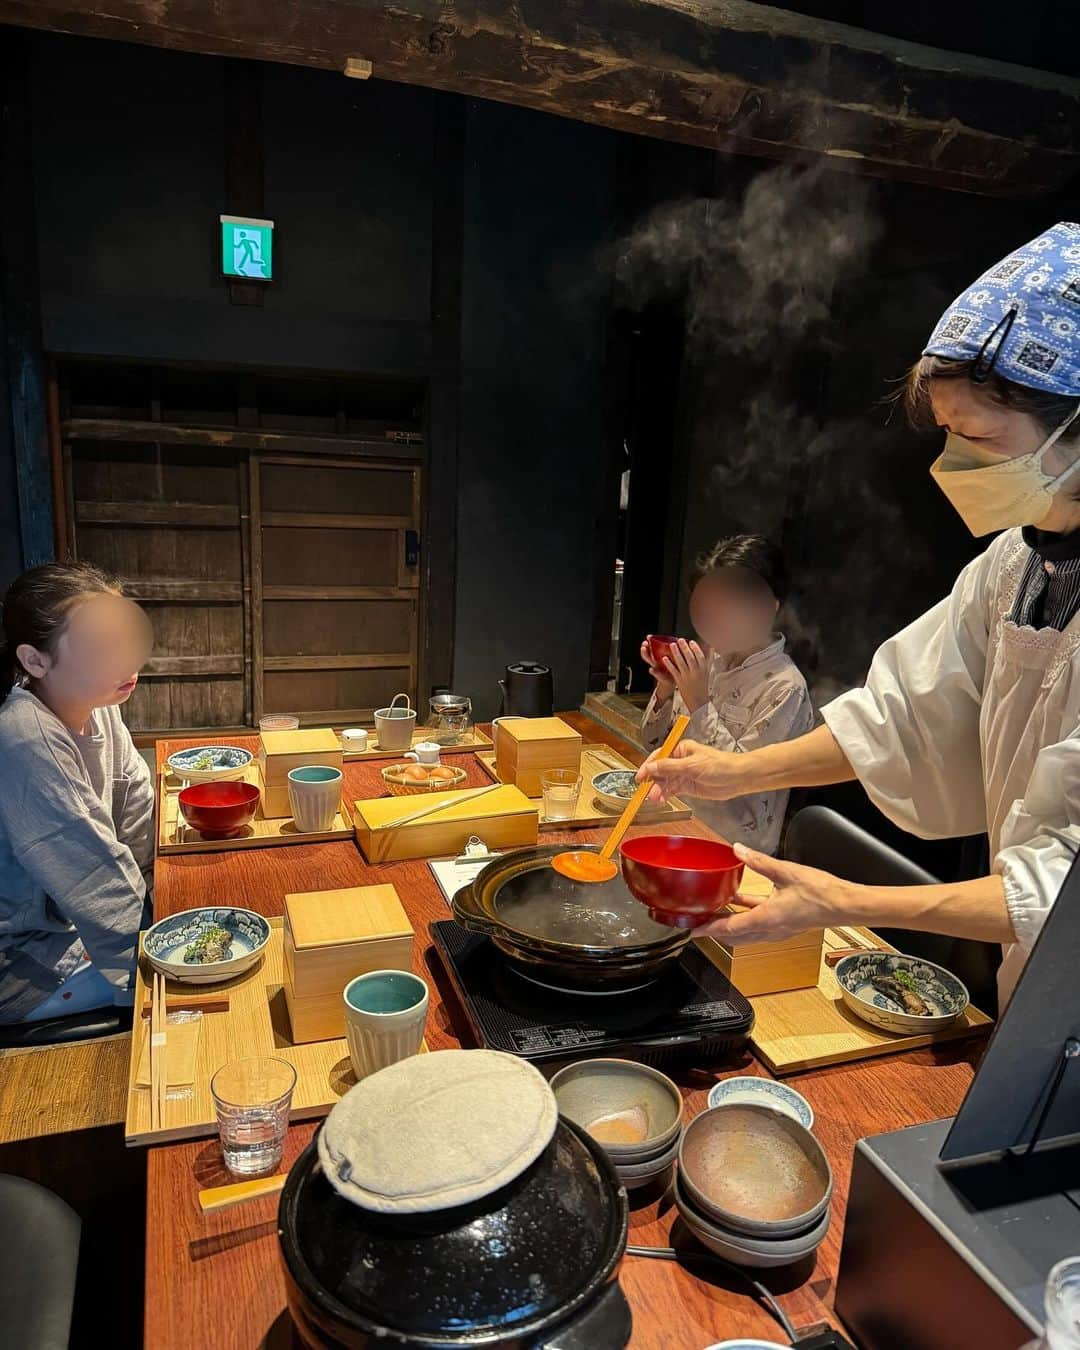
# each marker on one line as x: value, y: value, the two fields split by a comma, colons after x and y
x: 1021, y: 319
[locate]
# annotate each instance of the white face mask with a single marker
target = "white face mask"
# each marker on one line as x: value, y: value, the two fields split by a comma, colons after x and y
x: 992, y: 493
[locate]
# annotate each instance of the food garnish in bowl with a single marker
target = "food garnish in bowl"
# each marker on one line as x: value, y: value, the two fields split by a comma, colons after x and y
x: 213, y: 944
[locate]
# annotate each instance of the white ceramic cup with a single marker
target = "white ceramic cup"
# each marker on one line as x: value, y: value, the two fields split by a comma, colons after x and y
x: 354, y: 738
x: 424, y: 752
x: 385, y: 1013
x: 394, y: 725
x: 314, y: 796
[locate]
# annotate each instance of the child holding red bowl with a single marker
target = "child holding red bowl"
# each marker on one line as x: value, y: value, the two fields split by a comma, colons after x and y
x: 738, y: 686
x: 77, y: 806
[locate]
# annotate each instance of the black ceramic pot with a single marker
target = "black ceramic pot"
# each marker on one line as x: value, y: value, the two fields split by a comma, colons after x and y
x: 531, y: 1267
x: 570, y: 934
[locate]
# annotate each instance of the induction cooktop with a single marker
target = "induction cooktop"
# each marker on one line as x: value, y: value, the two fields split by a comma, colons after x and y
x: 689, y: 1012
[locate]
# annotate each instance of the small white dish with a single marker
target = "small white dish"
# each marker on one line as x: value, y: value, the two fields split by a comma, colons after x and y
x: 745, y: 1345
x: 764, y: 1092
x: 354, y: 740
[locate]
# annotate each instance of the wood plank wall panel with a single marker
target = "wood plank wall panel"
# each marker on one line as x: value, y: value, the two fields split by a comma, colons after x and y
x: 167, y: 521
x: 337, y: 603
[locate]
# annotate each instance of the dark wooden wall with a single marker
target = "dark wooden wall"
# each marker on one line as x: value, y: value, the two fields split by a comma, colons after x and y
x: 466, y: 245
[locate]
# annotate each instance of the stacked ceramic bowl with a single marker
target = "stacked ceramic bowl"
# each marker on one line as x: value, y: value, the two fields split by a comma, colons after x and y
x: 753, y: 1185
x: 632, y: 1111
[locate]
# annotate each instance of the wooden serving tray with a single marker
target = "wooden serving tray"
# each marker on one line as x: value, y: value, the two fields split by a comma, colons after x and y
x: 256, y: 1023
x: 807, y: 1028
x: 175, y: 835
x: 473, y: 740
x: 591, y: 811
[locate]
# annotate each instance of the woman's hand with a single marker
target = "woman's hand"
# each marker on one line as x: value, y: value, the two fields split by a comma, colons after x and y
x: 665, y: 685
x: 802, y: 898
x: 688, y: 666
x: 699, y: 771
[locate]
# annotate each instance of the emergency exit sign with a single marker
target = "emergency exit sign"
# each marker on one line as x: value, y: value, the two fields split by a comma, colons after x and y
x: 247, y: 248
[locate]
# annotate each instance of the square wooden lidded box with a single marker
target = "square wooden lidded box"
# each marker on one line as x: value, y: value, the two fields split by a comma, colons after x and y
x: 280, y: 751
x: 527, y: 747
x: 769, y: 967
x: 503, y: 818
x: 331, y: 937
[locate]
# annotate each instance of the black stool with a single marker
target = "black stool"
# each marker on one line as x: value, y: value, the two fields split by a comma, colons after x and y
x: 39, y: 1235
x: 85, y: 1026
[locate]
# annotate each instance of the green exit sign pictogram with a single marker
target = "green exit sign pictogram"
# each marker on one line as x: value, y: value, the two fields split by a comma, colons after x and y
x: 247, y: 248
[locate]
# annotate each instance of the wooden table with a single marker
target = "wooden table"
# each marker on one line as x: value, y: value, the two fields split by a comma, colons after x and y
x: 215, y: 1281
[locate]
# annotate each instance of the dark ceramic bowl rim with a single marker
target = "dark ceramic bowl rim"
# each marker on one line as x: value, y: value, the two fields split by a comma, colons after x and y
x: 311, y: 1288
x: 728, y: 1219
x: 626, y: 850
x: 759, y: 1244
x: 532, y: 859
x: 249, y: 799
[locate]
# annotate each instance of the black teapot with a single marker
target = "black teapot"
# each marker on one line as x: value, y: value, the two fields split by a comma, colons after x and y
x: 527, y: 690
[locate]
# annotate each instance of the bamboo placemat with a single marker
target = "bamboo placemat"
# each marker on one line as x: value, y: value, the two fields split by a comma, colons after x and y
x: 808, y: 1028
x: 591, y: 811
x: 175, y: 835
x: 257, y: 1023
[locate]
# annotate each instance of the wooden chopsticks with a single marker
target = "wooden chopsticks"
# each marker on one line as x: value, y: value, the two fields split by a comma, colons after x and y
x: 158, y: 1053
x: 439, y: 806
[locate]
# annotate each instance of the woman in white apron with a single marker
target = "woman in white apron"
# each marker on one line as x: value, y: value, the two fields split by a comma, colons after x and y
x: 970, y: 717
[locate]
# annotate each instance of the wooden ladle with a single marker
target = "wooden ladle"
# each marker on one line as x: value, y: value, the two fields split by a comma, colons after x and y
x: 581, y: 865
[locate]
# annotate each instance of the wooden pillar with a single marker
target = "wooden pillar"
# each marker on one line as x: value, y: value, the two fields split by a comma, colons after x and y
x: 23, y: 413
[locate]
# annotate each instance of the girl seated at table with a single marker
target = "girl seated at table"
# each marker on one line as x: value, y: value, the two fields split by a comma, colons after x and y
x: 739, y: 687
x: 76, y: 802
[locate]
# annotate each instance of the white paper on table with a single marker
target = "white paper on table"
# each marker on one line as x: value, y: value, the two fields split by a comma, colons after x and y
x: 453, y: 875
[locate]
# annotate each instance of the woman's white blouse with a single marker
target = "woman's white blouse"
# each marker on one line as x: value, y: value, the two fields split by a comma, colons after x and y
x: 967, y: 723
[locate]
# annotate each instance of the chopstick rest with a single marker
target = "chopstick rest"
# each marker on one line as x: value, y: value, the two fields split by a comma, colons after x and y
x: 221, y: 1197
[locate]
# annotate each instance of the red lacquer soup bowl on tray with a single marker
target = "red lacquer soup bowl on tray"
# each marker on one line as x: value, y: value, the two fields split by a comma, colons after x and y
x: 683, y: 881
x: 219, y: 810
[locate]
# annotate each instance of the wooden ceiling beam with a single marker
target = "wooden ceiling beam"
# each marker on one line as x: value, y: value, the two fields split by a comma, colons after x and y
x: 725, y: 74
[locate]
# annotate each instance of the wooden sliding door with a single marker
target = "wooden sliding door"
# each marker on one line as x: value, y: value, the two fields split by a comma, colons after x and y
x: 335, y: 585
x: 269, y: 524
x: 169, y: 521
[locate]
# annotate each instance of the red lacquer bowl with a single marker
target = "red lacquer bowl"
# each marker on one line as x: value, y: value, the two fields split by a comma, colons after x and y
x: 683, y: 881
x: 219, y: 810
x: 659, y: 648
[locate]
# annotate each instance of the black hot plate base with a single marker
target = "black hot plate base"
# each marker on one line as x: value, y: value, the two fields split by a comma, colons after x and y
x: 691, y: 1012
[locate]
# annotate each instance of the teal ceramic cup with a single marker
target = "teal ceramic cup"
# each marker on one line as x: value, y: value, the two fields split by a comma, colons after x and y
x: 314, y: 797
x: 385, y: 1013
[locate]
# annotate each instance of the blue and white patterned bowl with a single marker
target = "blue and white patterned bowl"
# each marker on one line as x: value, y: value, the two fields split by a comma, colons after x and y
x: 615, y: 787
x: 165, y: 942
x: 763, y: 1092
x: 939, y: 988
x: 227, y: 763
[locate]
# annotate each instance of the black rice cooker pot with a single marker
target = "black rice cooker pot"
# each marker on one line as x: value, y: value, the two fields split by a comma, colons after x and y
x: 531, y: 1267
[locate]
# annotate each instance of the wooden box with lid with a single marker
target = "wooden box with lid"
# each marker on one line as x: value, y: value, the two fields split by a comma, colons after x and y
x: 281, y: 751
x: 330, y: 938
x: 527, y: 747
x: 769, y: 967
x: 503, y: 817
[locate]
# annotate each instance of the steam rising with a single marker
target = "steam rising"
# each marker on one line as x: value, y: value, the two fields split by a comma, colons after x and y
x: 766, y: 281
x: 760, y: 271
